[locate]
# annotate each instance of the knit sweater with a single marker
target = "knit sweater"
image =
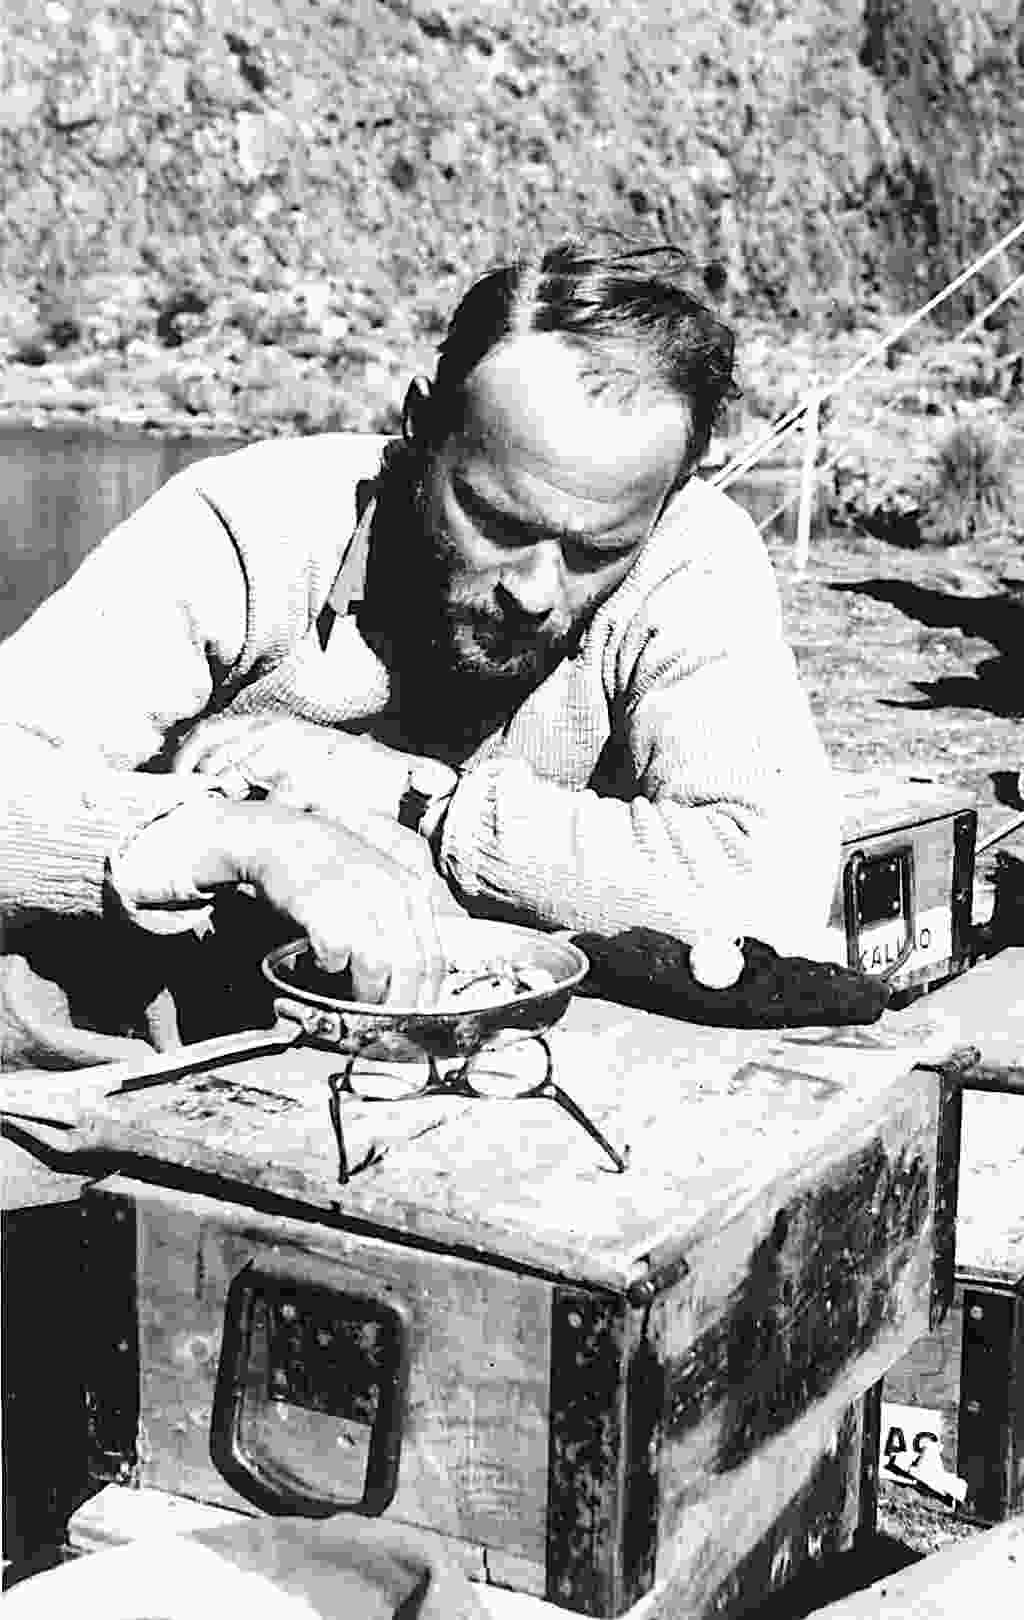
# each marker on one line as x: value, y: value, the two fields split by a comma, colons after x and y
x: 206, y: 599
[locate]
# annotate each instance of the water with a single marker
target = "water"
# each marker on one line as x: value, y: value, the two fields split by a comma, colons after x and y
x: 61, y: 490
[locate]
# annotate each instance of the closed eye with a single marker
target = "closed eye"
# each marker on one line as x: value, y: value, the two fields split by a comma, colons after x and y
x: 581, y: 553
x: 582, y: 556
x: 497, y: 526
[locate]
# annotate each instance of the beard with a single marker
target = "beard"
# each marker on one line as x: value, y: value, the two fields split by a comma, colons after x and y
x: 485, y: 641
x: 456, y: 652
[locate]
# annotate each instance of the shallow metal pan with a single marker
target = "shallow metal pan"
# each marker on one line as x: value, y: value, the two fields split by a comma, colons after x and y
x: 305, y: 1011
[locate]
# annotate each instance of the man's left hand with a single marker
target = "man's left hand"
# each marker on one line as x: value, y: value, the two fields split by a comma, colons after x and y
x: 307, y: 767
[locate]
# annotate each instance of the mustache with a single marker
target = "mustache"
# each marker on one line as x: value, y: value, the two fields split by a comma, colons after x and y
x: 500, y: 626
x: 501, y: 620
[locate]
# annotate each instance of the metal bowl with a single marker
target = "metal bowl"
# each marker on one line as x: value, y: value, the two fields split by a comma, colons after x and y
x: 403, y: 1033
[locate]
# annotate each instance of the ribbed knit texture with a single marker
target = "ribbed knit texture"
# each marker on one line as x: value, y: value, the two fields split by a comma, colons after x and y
x: 206, y: 600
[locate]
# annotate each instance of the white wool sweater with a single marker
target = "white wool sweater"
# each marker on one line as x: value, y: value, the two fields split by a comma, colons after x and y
x: 205, y: 600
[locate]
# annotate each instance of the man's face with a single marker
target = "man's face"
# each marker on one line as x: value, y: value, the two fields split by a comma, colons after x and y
x: 537, y: 505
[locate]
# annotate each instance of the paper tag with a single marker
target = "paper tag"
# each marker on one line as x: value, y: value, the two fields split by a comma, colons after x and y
x: 906, y: 1431
x: 910, y: 1450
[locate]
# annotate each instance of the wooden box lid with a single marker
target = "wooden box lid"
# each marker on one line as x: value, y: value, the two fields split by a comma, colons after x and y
x: 878, y: 802
x: 712, y: 1118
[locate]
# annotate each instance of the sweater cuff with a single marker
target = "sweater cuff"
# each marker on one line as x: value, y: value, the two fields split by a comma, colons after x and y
x: 61, y: 839
x: 476, y: 827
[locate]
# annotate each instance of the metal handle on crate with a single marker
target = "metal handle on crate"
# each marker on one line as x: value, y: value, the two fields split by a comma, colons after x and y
x: 279, y: 1313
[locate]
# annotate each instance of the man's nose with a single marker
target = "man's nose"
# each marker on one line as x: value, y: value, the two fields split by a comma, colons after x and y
x: 536, y: 582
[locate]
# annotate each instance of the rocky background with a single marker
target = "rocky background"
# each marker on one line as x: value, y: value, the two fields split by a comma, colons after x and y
x: 243, y: 216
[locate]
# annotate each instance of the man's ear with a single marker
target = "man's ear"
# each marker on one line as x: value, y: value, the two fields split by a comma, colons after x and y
x: 415, y: 413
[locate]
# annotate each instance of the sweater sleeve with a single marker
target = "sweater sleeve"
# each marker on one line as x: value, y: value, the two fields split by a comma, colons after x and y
x: 732, y: 823
x: 95, y: 685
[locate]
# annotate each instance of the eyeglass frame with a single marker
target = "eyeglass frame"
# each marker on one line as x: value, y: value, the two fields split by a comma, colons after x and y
x: 457, y: 1084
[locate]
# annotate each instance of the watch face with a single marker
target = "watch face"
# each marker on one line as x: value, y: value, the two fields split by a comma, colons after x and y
x: 429, y: 786
x: 431, y: 777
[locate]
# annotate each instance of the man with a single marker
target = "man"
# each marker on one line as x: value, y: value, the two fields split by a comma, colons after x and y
x: 523, y: 650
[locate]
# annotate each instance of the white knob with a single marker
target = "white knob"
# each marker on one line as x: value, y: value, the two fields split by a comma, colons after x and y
x: 716, y: 962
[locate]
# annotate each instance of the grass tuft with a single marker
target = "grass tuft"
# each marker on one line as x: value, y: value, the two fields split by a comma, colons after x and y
x: 973, y: 490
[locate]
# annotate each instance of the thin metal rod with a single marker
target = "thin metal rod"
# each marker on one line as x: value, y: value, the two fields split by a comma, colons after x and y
x: 993, y: 1077
x: 998, y: 836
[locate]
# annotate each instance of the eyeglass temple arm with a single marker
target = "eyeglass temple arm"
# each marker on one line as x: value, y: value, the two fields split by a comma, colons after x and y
x: 550, y: 1088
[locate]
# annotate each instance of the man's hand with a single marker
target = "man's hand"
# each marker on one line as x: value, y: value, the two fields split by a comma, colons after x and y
x: 361, y: 908
x: 307, y: 767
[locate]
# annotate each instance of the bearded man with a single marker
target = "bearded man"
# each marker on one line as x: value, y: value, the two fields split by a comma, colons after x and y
x: 523, y: 657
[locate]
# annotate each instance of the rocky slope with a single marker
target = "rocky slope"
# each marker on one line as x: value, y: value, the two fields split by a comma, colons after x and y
x: 254, y: 215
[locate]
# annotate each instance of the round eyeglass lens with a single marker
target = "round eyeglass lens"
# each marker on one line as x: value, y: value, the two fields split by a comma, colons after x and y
x: 375, y: 1081
x: 509, y: 1071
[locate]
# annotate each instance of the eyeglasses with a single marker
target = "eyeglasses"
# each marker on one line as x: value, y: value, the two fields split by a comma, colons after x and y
x: 489, y: 1075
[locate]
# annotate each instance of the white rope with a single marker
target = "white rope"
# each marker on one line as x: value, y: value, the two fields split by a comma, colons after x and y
x: 1009, y: 291
x: 773, y: 517
x: 742, y: 462
x: 979, y: 320
x: 808, y: 484
x: 809, y: 409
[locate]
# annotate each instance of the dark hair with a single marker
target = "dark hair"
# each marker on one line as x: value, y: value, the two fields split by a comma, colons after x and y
x: 636, y: 331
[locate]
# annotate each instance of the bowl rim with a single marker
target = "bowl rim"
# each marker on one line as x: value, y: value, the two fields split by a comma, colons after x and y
x: 391, y: 1012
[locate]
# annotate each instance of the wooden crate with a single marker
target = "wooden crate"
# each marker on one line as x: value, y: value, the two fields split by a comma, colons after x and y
x: 594, y: 1387
x: 903, y: 900
x: 970, y: 1373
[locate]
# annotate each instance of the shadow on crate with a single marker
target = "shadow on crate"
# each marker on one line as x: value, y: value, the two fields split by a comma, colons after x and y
x: 871, y: 1559
x: 44, y: 1410
x: 1006, y: 925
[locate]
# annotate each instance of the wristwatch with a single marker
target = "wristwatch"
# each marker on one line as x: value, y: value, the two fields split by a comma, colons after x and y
x: 428, y: 790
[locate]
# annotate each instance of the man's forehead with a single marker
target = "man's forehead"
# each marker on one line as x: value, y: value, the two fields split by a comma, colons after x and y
x: 526, y: 401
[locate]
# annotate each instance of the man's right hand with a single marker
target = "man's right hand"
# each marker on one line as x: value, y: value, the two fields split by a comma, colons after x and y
x: 364, y: 902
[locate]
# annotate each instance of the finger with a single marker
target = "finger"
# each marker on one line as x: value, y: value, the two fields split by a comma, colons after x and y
x: 200, y: 744
x: 209, y: 737
x: 245, y: 756
x: 233, y: 784
x: 331, y: 952
x: 424, y: 921
x: 257, y: 766
x: 291, y: 797
x: 371, y: 956
x: 358, y: 908
x: 417, y: 962
x: 354, y: 926
x: 392, y: 948
x: 371, y: 979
